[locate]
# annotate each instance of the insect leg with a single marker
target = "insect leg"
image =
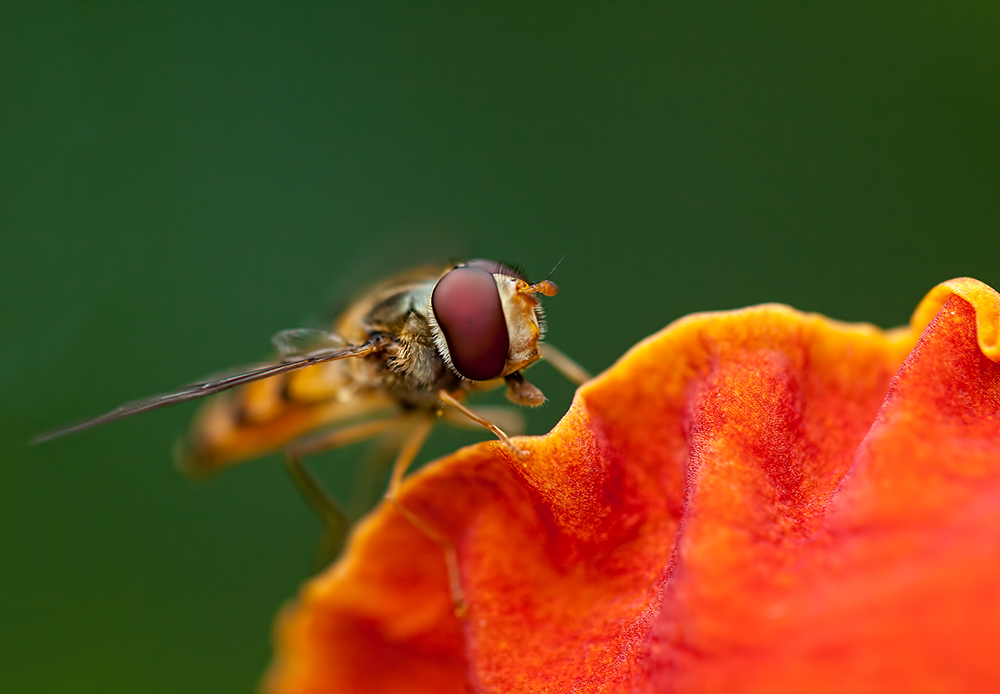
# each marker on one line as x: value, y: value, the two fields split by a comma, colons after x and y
x: 411, y: 447
x: 369, y: 482
x: 345, y: 436
x: 507, y: 418
x: 334, y: 519
x: 449, y: 399
x: 563, y: 364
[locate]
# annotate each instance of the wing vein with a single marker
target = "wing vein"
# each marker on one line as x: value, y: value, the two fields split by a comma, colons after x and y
x: 200, y: 390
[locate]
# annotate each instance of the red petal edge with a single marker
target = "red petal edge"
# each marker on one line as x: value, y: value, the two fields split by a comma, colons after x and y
x: 750, y: 501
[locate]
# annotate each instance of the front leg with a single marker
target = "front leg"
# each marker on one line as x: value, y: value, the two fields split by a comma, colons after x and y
x: 449, y: 399
x: 563, y: 364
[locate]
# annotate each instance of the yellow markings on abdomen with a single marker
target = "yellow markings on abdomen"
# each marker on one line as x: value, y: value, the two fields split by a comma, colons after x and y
x: 265, y: 416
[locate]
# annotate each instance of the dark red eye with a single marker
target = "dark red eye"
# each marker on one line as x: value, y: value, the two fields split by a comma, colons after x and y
x: 495, y: 268
x: 467, y: 307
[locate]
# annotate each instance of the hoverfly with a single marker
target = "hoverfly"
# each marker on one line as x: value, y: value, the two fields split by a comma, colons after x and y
x: 410, y: 350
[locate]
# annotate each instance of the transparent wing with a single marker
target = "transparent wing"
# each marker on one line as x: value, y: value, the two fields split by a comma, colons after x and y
x: 290, y: 345
x: 300, y: 341
x: 200, y: 390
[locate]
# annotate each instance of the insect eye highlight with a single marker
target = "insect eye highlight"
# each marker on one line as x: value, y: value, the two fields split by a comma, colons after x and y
x: 467, y: 307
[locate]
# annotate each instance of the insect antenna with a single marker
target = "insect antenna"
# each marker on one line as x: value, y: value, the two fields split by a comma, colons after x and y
x: 549, y: 276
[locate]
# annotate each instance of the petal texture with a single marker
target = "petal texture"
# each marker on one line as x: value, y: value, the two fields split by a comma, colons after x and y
x: 751, y: 501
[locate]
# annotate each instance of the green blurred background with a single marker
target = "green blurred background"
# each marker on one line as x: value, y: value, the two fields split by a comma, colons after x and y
x: 179, y: 182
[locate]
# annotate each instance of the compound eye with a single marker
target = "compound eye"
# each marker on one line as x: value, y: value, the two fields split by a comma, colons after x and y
x: 467, y: 307
x: 495, y: 268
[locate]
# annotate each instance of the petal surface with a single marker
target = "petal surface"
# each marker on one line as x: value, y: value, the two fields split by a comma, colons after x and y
x: 751, y: 501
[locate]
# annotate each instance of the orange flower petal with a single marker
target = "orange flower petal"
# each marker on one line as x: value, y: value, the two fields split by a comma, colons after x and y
x: 755, y: 501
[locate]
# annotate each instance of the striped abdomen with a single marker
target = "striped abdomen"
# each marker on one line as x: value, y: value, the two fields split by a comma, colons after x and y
x: 265, y: 416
